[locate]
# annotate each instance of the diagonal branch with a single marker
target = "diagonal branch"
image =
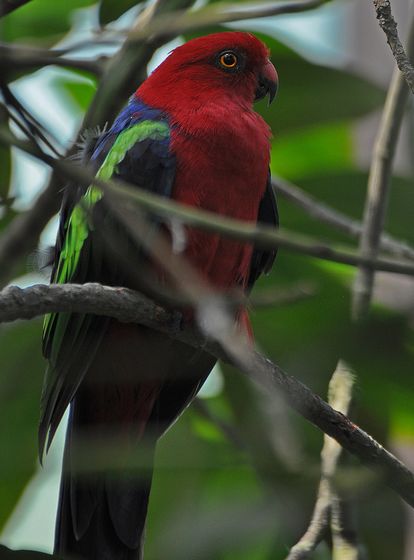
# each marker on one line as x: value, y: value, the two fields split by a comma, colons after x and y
x: 262, y: 236
x: 20, y: 57
x: 129, y: 306
x: 332, y: 217
x: 389, y: 26
x: 219, y: 13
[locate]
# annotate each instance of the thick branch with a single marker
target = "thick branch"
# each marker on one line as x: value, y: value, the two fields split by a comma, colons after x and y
x: 389, y: 26
x: 126, y: 305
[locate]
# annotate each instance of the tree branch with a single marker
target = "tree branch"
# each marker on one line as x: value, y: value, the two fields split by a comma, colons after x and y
x: 263, y: 236
x: 278, y: 297
x: 128, y: 306
x: 328, y: 215
x: 379, y: 184
x: 389, y: 26
x: 19, y: 57
x: 330, y: 510
x: 214, y: 14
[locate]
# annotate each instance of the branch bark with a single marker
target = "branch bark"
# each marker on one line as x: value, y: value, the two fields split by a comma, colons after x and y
x: 331, y: 512
x: 379, y: 184
x: 128, y: 306
x: 215, y: 14
x: 389, y: 26
x: 18, y: 58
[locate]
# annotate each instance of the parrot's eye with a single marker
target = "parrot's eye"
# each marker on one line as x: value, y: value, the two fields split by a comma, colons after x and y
x: 228, y: 60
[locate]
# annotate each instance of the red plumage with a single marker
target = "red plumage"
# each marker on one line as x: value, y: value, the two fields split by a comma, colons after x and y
x: 221, y: 143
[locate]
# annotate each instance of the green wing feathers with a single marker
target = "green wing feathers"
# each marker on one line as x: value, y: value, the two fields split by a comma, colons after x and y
x: 77, y: 226
x: 76, y: 231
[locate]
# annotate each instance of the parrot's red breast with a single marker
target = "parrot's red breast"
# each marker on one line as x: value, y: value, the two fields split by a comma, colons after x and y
x: 221, y: 144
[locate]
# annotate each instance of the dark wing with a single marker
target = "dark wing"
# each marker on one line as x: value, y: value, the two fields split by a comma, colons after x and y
x: 135, y: 149
x: 263, y: 259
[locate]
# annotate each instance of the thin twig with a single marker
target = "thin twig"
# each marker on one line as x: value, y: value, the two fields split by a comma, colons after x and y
x: 379, y: 183
x: 389, y: 26
x: 345, y: 540
x: 278, y: 297
x: 339, y: 397
x: 20, y: 57
x: 31, y: 126
x: 332, y: 217
x: 129, y: 306
x: 214, y: 14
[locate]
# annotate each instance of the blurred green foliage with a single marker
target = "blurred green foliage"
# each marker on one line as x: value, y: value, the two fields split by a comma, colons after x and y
x: 110, y: 11
x: 213, y: 498
x: 41, y: 23
x: 22, y: 364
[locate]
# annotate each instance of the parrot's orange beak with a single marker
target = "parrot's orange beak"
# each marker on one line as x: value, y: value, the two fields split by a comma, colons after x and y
x: 267, y: 82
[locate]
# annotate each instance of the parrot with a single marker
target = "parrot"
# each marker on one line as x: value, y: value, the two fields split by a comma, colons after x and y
x: 190, y: 134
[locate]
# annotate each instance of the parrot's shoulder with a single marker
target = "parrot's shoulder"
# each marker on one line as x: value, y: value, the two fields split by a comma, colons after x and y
x: 136, y: 124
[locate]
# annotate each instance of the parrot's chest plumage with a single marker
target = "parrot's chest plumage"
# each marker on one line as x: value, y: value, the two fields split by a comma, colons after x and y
x: 222, y: 166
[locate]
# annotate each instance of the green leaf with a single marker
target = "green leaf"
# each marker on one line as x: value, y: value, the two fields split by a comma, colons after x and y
x: 79, y: 91
x: 203, y: 495
x: 20, y: 383
x: 308, y: 151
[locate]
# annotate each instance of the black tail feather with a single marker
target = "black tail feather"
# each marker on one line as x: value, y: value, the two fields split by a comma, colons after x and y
x: 101, y: 514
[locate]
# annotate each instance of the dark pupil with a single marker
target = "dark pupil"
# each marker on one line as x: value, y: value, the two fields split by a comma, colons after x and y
x: 228, y: 59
